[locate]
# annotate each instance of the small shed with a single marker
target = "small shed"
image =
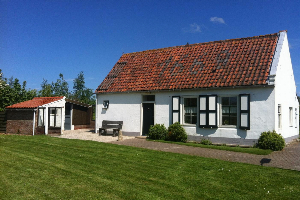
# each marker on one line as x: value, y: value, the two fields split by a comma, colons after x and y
x: 48, y: 115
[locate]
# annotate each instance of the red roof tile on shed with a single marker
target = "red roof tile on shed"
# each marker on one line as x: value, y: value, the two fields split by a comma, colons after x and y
x: 226, y: 63
x: 35, y: 102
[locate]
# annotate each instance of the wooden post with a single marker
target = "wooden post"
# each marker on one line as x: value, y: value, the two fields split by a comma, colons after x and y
x: 120, y: 136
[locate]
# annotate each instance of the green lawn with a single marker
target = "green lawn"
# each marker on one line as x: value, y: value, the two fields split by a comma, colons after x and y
x: 42, y: 167
x: 251, y: 150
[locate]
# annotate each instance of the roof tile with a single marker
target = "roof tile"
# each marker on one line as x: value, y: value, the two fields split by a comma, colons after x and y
x: 35, y: 102
x: 227, y: 63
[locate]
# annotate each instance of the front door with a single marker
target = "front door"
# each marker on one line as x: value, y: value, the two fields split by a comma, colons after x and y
x: 148, y: 117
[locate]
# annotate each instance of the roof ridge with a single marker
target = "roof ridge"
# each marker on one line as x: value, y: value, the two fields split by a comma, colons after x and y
x: 204, y: 43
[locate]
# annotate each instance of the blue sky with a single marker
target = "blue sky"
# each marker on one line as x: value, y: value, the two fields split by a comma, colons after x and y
x: 42, y: 38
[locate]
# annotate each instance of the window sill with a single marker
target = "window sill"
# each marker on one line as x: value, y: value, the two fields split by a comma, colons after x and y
x: 227, y: 126
x: 189, y: 125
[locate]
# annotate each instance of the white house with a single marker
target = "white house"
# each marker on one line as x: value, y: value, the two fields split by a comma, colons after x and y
x: 229, y: 91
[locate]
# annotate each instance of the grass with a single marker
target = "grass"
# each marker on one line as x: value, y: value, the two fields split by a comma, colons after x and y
x: 256, y: 151
x: 42, y: 167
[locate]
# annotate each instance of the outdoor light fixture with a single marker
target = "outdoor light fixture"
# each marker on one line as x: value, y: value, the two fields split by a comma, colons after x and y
x: 105, y: 104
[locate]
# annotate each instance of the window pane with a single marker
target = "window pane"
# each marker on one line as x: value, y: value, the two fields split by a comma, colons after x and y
x: 233, y: 120
x: 225, y: 101
x: 233, y: 110
x: 41, y: 117
x: 225, y: 109
x: 190, y: 110
x: 229, y: 111
x: 52, y: 116
x: 225, y: 120
x: 58, y: 117
x: 233, y: 101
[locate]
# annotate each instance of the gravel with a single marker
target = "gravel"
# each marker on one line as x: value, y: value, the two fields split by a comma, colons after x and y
x: 88, y: 134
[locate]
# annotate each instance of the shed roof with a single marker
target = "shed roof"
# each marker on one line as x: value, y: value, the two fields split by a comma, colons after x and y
x: 226, y: 63
x: 35, y: 102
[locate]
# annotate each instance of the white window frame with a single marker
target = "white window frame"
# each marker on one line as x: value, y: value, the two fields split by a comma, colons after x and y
x: 54, y: 117
x: 221, y: 114
x: 41, y: 117
x: 279, y: 117
x: 183, y: 110
x: 291, y: 116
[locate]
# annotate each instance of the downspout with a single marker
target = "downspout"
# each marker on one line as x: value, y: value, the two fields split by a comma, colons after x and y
x: 33, y: 128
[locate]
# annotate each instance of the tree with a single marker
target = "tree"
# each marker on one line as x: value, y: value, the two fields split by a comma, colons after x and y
x: 60, y: 87
x: 46, y: 90
x: 11, y: 91
x: 81, y: 93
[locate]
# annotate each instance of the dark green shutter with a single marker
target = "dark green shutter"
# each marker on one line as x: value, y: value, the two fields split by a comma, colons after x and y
x: 175, y: 109
x: 208, y: 111
x: 244, y: 111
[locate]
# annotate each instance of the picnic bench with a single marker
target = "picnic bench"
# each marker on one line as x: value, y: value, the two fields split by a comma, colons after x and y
x: 115, y: 125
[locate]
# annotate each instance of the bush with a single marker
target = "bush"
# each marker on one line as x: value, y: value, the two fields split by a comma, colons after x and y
x: 271, y: 140
x: 206, y: 142
x: 157, y: 132
x: 176, y: 133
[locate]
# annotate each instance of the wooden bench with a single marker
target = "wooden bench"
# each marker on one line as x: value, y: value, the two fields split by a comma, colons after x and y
x: 115, y: 125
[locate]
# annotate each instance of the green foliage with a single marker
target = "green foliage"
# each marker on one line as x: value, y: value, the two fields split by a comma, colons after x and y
x: 61, y: 88
x: 206, y: 142
x: 11, y: 92
x: 81, y: 93
x: 157, y: 132
x: 271, y: 140
x: 176, y: 133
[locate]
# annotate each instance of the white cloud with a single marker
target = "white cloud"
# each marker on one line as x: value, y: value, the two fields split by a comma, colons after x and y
x: 217, y: 20
x: 193, y: 28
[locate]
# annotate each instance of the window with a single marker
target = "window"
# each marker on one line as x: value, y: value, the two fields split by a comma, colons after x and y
x: 190, y: 111
x: 279, y: 116
x: 55, y: 117
x: 148, y: 97
x: 41, y: 116
x: 296, y: 113
x: 291, y: 116
x: 229, y: 111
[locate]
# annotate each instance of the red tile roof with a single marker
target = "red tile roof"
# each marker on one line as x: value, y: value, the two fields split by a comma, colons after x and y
x: 35, y: 102
x: 226, y: 63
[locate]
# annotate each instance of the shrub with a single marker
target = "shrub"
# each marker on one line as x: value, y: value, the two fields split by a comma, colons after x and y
x: 271, y: 140
x: 206, y: 142
x: 176, y: 133
x: 157, y: 132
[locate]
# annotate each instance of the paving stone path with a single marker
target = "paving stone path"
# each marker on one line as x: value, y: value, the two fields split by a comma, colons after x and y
x: 288, y: 158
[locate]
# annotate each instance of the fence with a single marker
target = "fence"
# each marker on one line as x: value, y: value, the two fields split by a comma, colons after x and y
x: 2, y: 122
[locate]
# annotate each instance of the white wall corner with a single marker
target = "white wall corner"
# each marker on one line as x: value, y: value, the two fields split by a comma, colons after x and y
x: 275, y: 62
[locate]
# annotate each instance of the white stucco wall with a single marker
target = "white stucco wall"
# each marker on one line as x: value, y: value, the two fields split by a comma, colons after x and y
x: 124, y: 107
x: 57, y: 104
x: 261, y: 112
x: 128, y: 108
x: 285, y: 90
